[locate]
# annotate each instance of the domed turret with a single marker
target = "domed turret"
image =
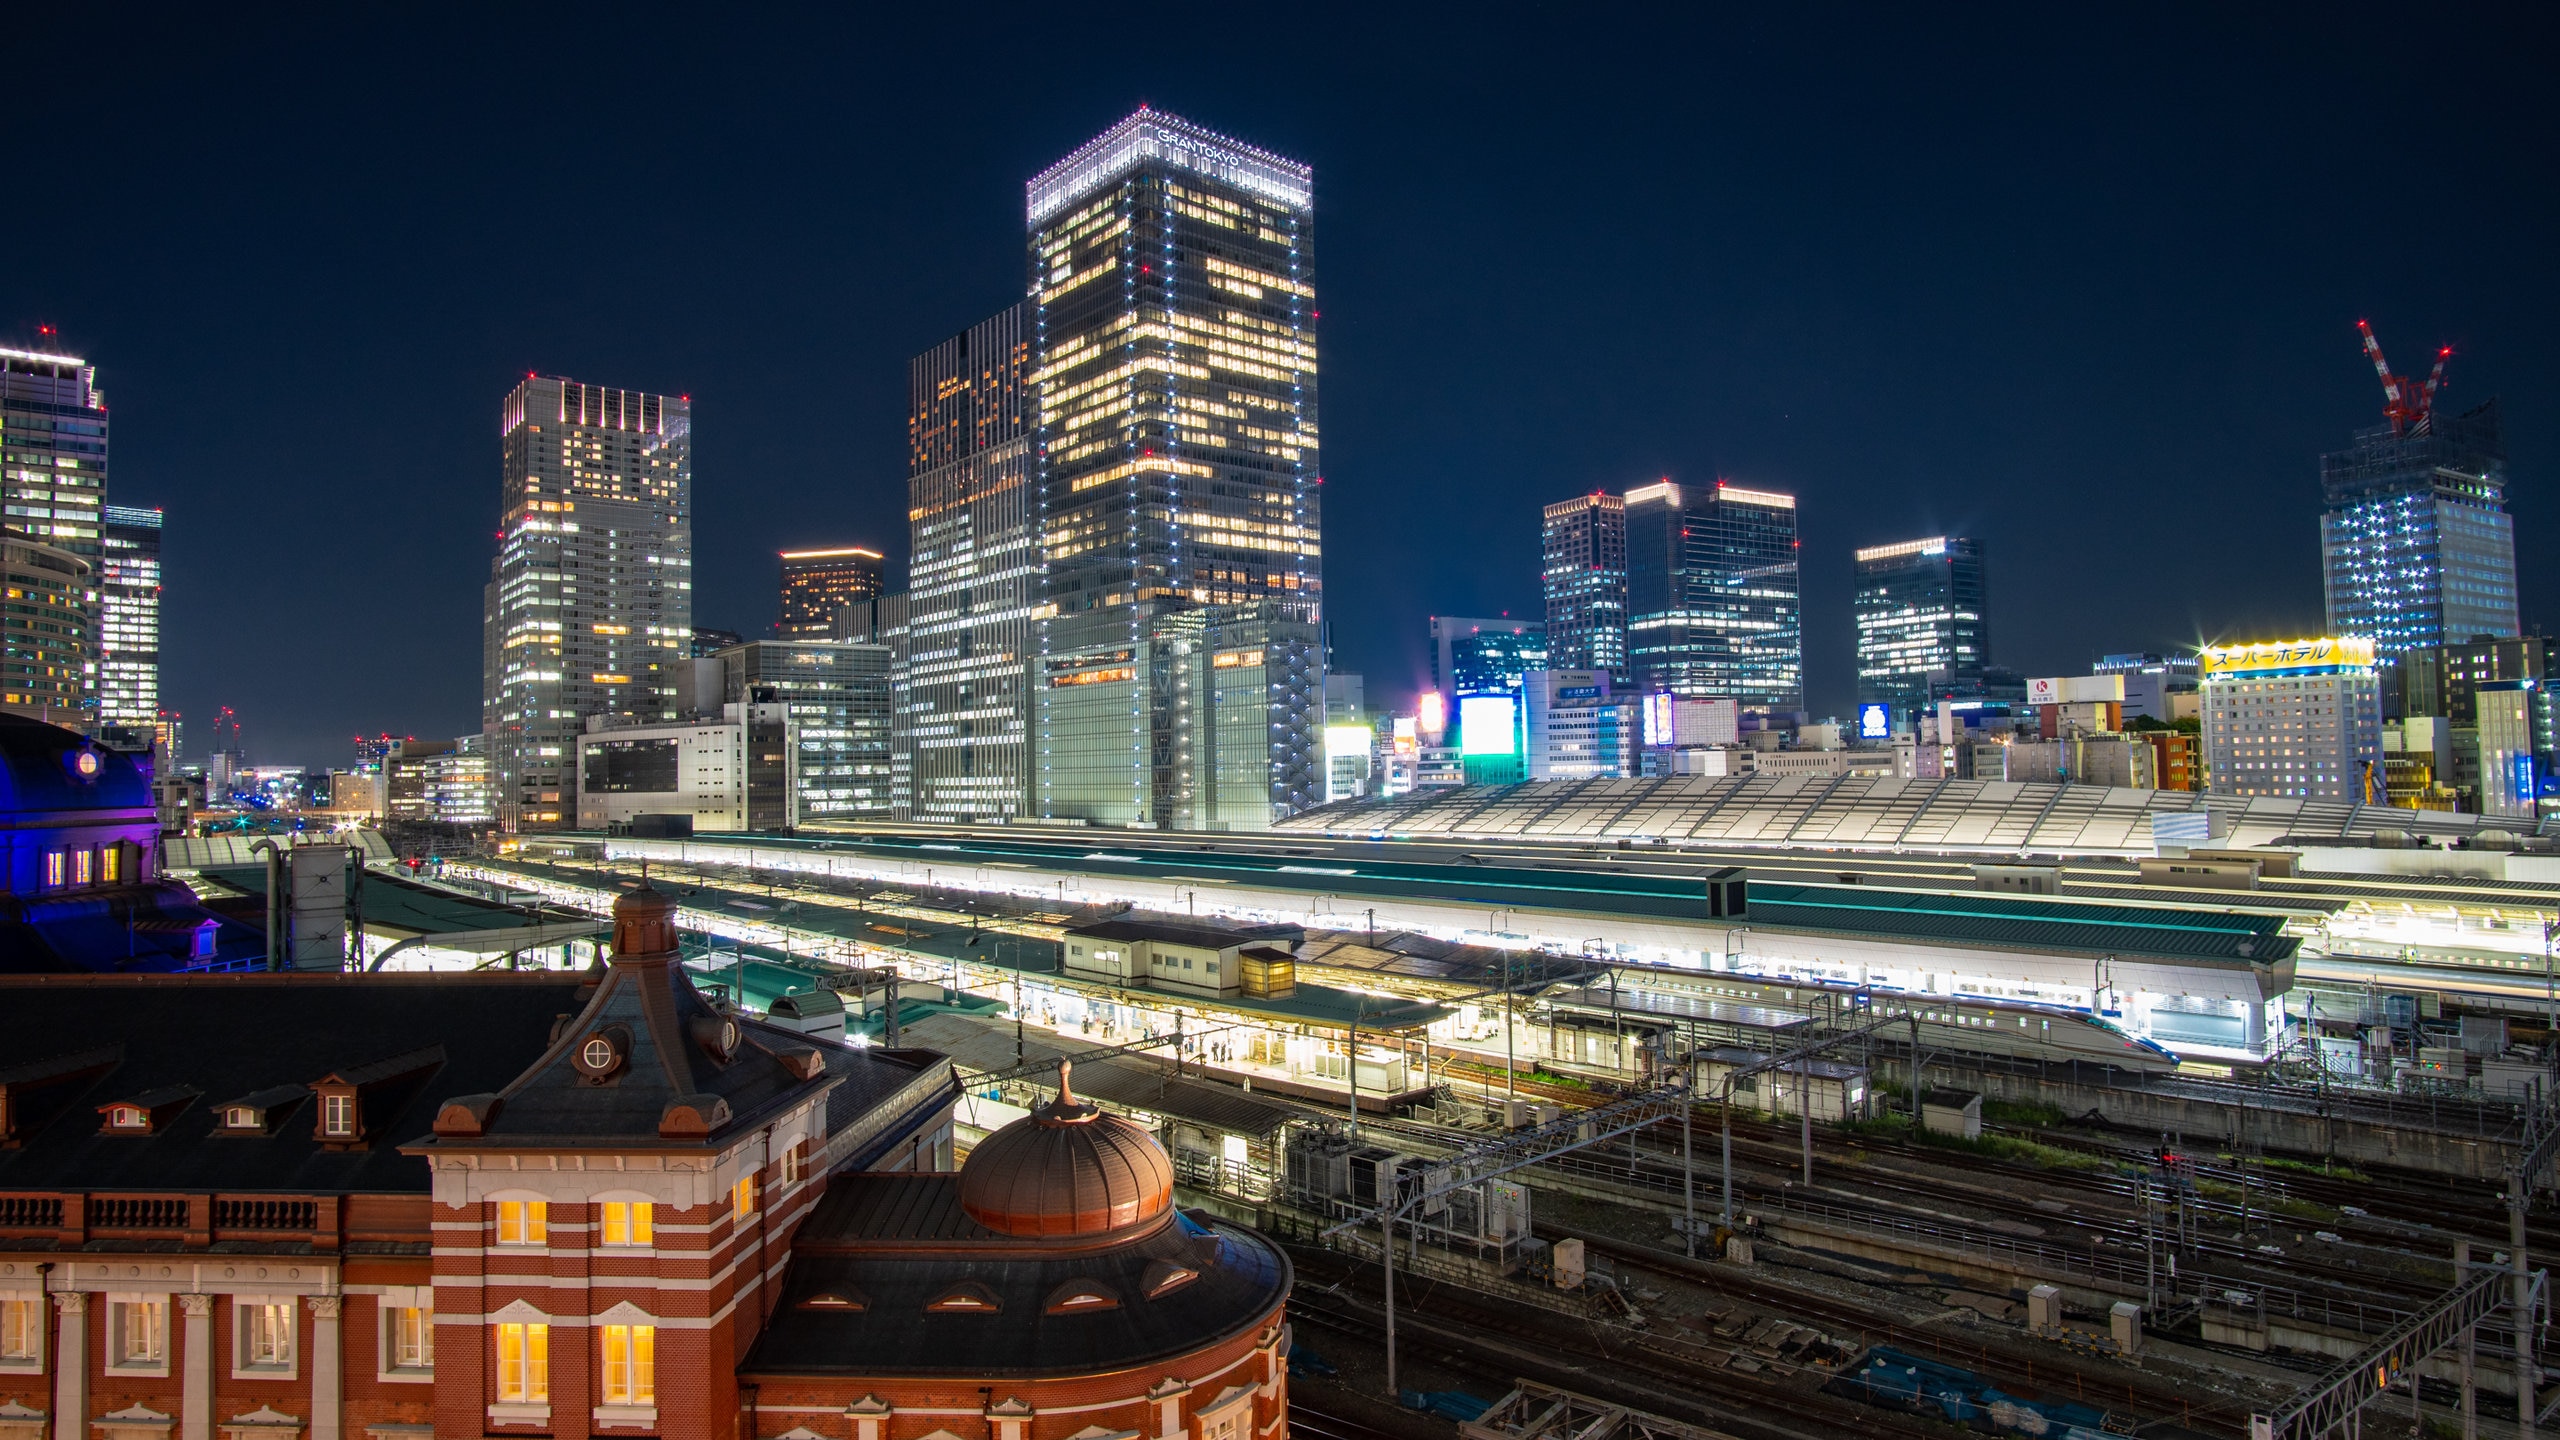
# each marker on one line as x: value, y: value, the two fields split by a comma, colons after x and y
x: 1067, y: 1169
x: 644, y: 925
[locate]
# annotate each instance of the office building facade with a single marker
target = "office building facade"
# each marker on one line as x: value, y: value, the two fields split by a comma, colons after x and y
x: 729, y: 773
x: 1921, y: 610
x: 441, y: 782
x: 839, y: 702
x: 816, y: 583
x: 1173, y: 350
x: 1585, y: 545
x: 1714, y: 600
x: 1575, y: 728
x: 129, y: 619
x: 589, y: 608
x: 45, y: 630
x: 973, y: 574
x: 2297, y: 719
x: 54, y: 419
x: 2416, y: 545
x: 1478, y: 655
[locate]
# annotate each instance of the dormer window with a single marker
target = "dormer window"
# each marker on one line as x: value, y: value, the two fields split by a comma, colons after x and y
x: 147, y: 1113
x: 1080, y: 1295
x: 338, y: 1116
x: 603, y: 1054
x: 257, y: 1113
x: 966, y: 1298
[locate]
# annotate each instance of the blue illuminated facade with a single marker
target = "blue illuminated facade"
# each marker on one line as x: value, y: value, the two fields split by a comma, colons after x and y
x: 79, y: 848
x: 2416, y: 545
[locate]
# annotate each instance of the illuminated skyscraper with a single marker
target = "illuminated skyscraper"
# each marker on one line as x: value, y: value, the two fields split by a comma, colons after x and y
x: 1476, y: 655
x: 2416, y: 545
x: 53, y: 417
x: 1586, y: 579
x: 53, y: 423
x: 816, y: 582
x: 1180, y: 676
x: 1713, y: 603
x: 589, y: 607
x: 973, y: 574
x: 129, y: 619
x: 1921, y: 613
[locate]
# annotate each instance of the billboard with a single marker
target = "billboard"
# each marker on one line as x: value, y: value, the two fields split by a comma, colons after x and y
x: 2328, y: 652
x: 1488, y: 725
x: 1659, y: 727
x: 2075, y: 689
x: 1346, y: 740
x: 1875, y: 722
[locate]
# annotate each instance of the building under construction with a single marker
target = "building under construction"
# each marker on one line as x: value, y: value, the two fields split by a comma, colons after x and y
x: 2416, y: 546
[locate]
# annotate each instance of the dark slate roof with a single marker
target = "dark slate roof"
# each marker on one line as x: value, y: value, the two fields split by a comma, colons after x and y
x: 37, y: 773
x: 133, y: 928
x: 393, y: 904
x: 895, y: 1243
x: 1123, y: 1083
x: 232, y: 1037
x: 665, y: 1027
x: 1207, y: 934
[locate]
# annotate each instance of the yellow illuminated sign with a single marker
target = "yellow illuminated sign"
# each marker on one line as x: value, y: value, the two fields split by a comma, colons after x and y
x: 2330, y: 650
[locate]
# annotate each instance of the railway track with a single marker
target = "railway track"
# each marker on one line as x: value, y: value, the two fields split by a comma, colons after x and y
x: 1550, y: 1347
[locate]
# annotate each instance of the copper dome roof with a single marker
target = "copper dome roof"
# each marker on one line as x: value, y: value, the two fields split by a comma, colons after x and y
x: 1066, y: 1170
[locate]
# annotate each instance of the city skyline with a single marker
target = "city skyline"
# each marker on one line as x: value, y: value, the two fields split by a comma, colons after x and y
x: 1825, y: 409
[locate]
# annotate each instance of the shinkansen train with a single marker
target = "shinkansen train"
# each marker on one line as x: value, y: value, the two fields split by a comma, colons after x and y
x: 1579, y: 1029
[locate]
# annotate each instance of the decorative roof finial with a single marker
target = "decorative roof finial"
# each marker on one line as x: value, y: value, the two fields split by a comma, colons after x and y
x: 1066, y: 1097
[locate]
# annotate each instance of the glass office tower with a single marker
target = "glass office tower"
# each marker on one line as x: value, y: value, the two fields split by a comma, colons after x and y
x: 1477, y: 655
x: 1585, y: 540
x: 1920, y: 609
x: 1714, y: 607
x: 1180, y: 680
x: 817, y: 583
x: 973, y: 573
x: 2416, y: 546
x: 53, y: 447
x: 589, y: 606
x: 129, y: 619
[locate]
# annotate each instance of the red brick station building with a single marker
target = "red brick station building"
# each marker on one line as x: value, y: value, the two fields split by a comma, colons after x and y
x: 279, y: 1206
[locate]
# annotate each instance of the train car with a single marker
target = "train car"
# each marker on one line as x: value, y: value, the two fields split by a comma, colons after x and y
x: 1973, y: 1024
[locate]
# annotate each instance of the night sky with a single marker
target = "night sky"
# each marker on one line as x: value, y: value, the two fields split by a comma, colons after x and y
x: 2083, y: 286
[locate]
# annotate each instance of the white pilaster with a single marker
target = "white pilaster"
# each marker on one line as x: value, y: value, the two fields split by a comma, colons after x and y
x: 71, y: 1368
x: 195, y: 1354
x: 328, y: 1370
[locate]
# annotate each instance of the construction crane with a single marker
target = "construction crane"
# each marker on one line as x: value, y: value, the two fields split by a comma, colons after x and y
x: 2410, y: 405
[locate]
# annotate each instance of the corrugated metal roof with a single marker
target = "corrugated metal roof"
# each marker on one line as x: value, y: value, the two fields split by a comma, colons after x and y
x: 988, y: 1046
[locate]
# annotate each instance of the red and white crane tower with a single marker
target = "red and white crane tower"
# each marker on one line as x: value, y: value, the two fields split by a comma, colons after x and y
x: 2410, y: 405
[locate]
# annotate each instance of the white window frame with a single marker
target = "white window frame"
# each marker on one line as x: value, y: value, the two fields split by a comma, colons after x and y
x: 119, y: 1317
x: 635, y: 1367
x: 636, y: 1220
x: 526, y: 1394
x: 394, y: 1302
x: 533, y: 1224
x: 32, y: 1317
x: 247, y: 1313
x: 338, y: 1119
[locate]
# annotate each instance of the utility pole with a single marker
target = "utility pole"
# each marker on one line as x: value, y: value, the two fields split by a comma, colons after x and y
x: 1688, y: 1165
x: 2470, y: 1346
